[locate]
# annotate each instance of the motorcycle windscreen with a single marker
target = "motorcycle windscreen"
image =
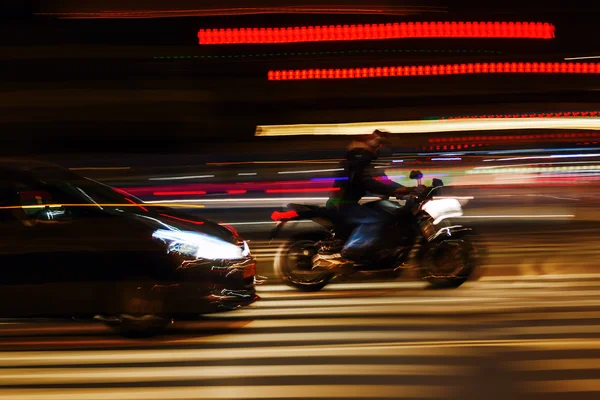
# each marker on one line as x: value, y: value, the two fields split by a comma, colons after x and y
x: 442, y: 209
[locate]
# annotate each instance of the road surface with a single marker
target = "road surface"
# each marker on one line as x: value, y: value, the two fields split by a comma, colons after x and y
x: 498, y: 338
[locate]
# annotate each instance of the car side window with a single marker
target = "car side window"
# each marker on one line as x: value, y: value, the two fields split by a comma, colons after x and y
x: 32, y: 201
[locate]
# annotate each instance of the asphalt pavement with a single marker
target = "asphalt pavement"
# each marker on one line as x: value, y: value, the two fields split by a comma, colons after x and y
x: 497, y: 338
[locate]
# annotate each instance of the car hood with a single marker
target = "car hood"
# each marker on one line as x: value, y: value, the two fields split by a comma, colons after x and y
x: 165, y: 217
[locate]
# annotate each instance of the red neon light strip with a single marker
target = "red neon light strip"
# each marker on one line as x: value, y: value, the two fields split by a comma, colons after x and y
x: 183, y: 219
x: 534, y: 115
x: 133, y: 202
x: 310, y: 190
x: 180, y: 193
x: 431, y: 70
x: 237, y: 191
x: 510, y: 138
x: 410, y: 30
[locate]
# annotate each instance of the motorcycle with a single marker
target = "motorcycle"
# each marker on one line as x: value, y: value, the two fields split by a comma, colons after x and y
x: 418, y: 235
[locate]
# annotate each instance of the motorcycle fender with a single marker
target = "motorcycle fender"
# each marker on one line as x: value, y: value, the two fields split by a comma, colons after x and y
x: 454, y: 232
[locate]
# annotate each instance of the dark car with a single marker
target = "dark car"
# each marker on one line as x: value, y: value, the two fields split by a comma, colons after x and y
x: 74, y: 247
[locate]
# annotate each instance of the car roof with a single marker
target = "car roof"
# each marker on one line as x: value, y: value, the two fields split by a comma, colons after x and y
x: 23, y: 164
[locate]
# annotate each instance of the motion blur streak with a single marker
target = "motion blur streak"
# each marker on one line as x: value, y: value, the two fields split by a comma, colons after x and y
x: 367, y: 340
x: 311, y: 171
x: 172, y: 178
x: 361, y: 128
x: 331, y: 189
x: 127, y: 10
x: 35, y: 206
x: 239, y: 392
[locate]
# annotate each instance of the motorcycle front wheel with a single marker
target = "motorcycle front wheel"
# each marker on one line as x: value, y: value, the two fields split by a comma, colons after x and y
x: 293, y: 264
x: 449, y: 263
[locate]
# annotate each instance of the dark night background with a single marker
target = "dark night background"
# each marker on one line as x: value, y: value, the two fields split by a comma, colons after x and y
x: 127, y: 85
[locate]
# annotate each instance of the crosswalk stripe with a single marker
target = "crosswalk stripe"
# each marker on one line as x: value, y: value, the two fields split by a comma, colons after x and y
x: 430, y: 391
x: 408, y: 309
x: 37, y: 376
x: 308, y: 337
x: 545, y: 330
x: 388, y: 300
x: 557, y: 364
x: 561, y: 386
x: 351, y: 335
x: 98, y: 357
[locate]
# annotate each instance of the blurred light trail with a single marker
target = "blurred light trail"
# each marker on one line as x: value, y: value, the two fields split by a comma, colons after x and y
x: 549, y: 157
x: 99, y: 168
x: 310, y: 190
x: 184, y: 202
x: 116, y: 11
x: 428, y: 126
x: 269, y: 222
x: 311, y: 171
x: 244, y: 200
x: 183, y: 219
x: 174, y: 203
x: 179, y: 193
x: 494, y: 152
x: 531, y: 164
x: 581, y: 58
x: 247, y: 173
x: 447, y: 159
x: 343, y: 178
x: 323, y: 161
x: 173, y: 178
x: 403, y: 30
x: 237, y: 191
x: 536, y: 216
x: 559, y: 114
x: 323, y: 53
x: 434, y: 70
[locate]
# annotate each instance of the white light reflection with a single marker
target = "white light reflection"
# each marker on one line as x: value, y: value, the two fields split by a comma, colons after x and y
x: 430, y: 126
x: 543, y: 216
x: 247, y: 173
x: 581, y: 58
x: 311, y: 171
x: 530, y: 164
x: 549, y: 157
x: 173, y: 178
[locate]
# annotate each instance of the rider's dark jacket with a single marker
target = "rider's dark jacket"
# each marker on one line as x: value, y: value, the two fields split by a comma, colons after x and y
x: 357, y: 179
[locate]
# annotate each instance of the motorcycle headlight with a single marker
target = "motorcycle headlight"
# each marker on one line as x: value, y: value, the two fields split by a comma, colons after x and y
x: 199, y: 245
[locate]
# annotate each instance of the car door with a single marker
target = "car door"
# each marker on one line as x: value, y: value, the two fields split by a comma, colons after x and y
x: 45, y: 254
x: 15, y: 280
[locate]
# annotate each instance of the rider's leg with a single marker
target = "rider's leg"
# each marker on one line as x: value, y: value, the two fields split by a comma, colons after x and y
x: 365, y: 235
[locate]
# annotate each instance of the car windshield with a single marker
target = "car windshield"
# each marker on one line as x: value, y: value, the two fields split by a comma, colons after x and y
x: 83, y: 189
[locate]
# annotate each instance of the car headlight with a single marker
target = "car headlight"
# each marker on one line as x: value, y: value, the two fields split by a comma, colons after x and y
x: 199, y: 245
x: 246, y: 251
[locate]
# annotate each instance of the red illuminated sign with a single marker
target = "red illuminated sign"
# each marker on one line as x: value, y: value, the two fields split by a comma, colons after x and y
x: 404, y: 30
x: 434, y: 70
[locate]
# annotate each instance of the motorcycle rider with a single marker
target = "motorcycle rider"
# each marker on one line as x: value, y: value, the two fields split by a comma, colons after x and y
x: 355, y: 181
